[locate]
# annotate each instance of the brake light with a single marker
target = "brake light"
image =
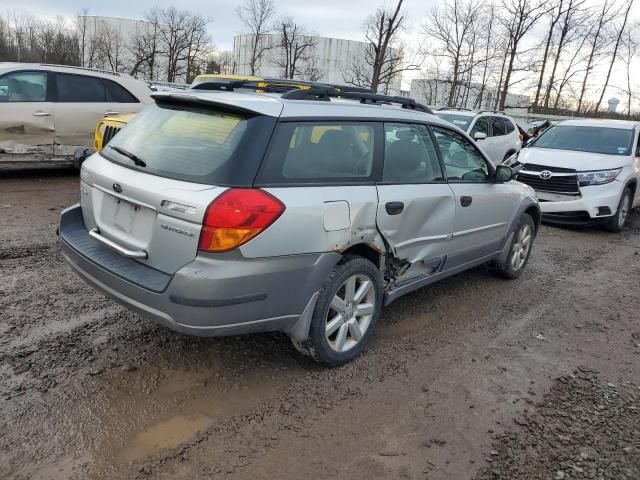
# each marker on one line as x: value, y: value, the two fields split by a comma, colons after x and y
x: 237, y: 216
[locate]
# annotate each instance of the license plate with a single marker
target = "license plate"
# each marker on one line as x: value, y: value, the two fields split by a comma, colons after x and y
x: 124, y: 216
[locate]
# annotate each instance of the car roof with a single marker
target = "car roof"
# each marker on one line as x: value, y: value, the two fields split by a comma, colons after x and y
x: 275, y: 106
x: 601, y: 123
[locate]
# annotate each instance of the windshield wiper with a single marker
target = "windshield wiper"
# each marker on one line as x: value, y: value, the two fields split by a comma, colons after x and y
x: 134, y: 158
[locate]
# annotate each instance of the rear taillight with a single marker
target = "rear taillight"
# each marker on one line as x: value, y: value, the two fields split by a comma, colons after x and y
x: 237, y: 216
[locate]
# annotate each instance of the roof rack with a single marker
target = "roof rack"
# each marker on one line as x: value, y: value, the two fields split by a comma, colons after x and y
x: 461, y: 109
x: 491, y: 111
x: 271, y: 85
x: 87, y: 69
x: 326, y: 93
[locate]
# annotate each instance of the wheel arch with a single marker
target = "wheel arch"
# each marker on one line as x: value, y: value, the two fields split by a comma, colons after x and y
x: 367, y: 251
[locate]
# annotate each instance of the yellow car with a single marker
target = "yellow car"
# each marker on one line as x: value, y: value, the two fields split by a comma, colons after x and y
x: 108, y: 127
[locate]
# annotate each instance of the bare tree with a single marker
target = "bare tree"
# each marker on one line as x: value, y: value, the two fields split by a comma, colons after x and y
x: 629, y: 53
x: 221, y: 62
x: 82, y: 29
x: 256, y: 15
x: 555, y: 14
x: 296, y: 47
x: 452, y: 26
x: 598, y: 42
x: 145, y: 46
x: 570, y: 24
x: 520, y: 16
x: 614, y: 56
x: 110, y: 46
x: 381, y: 62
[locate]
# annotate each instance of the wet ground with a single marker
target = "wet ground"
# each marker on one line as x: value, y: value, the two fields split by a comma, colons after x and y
x: 474, y: 377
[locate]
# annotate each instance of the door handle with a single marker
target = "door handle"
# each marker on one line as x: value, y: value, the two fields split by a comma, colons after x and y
x: 41, y: 114
x: 466, y: 201
x: 394, y: 208
x: 106, y: 114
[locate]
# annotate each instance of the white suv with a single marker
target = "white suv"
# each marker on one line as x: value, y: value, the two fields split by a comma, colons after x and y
x: 48, y: 111
x: 496, y: 133
x: 584, y: 172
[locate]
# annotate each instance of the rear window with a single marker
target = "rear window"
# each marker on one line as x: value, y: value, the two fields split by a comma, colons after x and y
x: 320, y: 152
x: 193, y: 143
x: 460, y: 121
x: 79, y: 88
x: 607, y: 141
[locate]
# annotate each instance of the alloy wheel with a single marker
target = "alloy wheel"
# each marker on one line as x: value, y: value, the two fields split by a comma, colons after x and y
x: 521, y: 247
x: 625, y: 206
x: 350, y: 313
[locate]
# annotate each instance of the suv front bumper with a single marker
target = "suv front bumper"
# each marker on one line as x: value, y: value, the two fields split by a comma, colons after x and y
x: 588, y: 209
x: 215, y: 295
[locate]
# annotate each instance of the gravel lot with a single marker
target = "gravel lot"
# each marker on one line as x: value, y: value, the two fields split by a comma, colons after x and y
x: 474, y: 377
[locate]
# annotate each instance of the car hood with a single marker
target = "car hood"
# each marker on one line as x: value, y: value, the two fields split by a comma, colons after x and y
x: 580, y: 161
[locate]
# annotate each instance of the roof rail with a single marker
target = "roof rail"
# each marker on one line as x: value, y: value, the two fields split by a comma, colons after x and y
x: 77, y: 67
x: 491, y: 111
x: 454, y: 108
x: 273, y: 85
x: 326, y: 93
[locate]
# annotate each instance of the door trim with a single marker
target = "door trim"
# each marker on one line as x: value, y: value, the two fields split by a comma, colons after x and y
x: 479, y: 229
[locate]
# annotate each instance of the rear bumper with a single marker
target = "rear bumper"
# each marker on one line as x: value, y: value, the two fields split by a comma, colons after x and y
x: 214, y: 295
x: 596, y: 204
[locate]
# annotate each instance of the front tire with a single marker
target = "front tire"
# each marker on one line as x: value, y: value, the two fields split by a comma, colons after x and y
x: 519, y: 251
x: 616, y: 223
x: 346, y: 312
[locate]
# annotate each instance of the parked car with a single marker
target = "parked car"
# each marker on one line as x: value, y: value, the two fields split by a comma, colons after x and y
x: 585, y: 172
x: 226, y: 213
x: 497, y: 134
x: 50, y: 111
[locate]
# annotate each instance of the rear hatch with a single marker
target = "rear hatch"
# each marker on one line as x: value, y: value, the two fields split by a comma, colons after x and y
x: 148, y: 190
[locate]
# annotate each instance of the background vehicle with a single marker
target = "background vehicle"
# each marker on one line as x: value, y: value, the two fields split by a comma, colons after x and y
x: 49, y: 111
x: 497, y: 134
x: 225, y: 213
x: 584, y: 171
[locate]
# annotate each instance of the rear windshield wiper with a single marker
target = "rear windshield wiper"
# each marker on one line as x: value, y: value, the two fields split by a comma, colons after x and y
x: 137, y: 160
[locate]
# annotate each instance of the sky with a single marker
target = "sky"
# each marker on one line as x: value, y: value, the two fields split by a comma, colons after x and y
x: 330, y: 18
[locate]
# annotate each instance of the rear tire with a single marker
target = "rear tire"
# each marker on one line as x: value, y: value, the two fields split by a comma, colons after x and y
x: 346, y: 312
x: 519, y: 250
x: 616, y: 223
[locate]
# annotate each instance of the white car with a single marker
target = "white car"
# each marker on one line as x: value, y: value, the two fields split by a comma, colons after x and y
x: 48, y: 111
x: 497, y: 134
x: 584, y: 172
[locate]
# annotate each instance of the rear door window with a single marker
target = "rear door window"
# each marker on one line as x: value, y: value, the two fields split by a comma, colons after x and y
x: 509, y: 126
x: 80, y: 89
x: 410, y: 155
x: 320, y: 152
x: 193, y: 143
x: 498, y: 127
x: 481, y: 126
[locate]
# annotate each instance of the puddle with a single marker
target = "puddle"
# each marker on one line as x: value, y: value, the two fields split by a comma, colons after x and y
x: 168, y: 434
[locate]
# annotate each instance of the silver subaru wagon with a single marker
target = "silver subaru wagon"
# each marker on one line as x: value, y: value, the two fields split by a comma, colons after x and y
x: 221, y: 213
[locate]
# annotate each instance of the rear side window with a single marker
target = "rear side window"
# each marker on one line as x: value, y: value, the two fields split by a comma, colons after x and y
x: 193, y: 143
x: 79, y: 89
x: 481, y: 126
x: 499, y: 128
x: 24, y: 87
x: 410, y: 155
x: 117, y: 93
x: 315, y: 152
x: 508, y: 125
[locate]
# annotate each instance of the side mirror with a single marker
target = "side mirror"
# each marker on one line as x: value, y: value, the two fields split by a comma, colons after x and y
x: 479, y: 136
x: 503, y: 174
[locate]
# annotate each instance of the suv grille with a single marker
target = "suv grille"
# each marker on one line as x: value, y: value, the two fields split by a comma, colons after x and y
x: 562, y: 180
x: 109, y: 133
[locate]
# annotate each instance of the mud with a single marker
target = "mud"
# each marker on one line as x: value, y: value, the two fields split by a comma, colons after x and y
x: 457, y: 374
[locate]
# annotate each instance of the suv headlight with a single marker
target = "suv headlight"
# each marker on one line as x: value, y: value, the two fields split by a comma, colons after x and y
x: 599, y: 177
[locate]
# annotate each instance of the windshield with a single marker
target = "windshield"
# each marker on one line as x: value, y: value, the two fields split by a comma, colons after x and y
x: 460, y: 121
x: 607, y: 141
x: 191, y: 143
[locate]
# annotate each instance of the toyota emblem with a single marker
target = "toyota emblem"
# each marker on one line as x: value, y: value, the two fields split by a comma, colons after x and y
x: 546, y: 174
x: 117, y: 188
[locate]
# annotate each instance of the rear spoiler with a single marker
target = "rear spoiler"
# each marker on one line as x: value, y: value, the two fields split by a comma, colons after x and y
x: 255, y: 105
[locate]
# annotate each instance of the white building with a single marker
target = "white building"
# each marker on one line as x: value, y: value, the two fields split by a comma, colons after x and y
x: 436, y: 93
x: 332, y: 59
